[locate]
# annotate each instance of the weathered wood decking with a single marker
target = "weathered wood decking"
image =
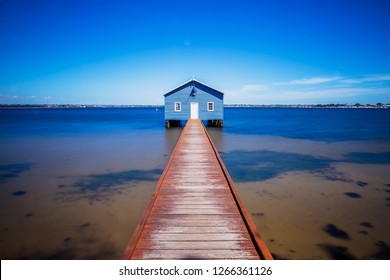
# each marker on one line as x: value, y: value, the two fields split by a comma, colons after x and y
x: 195, y: 211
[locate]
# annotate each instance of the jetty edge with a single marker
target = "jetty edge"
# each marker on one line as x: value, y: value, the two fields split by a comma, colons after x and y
x: 195, y: 211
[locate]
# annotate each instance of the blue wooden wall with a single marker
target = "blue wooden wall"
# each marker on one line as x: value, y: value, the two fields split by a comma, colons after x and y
x: 203, y: 95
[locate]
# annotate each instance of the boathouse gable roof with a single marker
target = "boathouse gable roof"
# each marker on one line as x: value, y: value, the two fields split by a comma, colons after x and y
x: 198, y: 85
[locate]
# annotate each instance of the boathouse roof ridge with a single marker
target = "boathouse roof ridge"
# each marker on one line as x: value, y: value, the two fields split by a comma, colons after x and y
x: 188, y: 82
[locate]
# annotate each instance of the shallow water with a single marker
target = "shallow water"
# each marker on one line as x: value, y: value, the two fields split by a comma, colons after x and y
x: 74, y: 182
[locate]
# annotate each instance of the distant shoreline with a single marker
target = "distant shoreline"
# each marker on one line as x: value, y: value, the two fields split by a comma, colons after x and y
x: 77, y: 106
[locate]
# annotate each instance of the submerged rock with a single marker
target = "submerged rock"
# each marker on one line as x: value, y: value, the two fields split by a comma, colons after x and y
x: 353, y: 195
x: 258, y: 214
x: 366, y: 224
x: 18, y: 193
x: 336, y: 232
x: 337, y: 252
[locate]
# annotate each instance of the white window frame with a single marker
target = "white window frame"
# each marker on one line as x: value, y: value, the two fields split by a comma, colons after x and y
x: 208, y: 106
x: 177, y: 104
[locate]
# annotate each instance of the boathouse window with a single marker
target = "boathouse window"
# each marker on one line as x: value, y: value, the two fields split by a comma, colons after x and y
x: 177, y: 106
x: 210, y: 106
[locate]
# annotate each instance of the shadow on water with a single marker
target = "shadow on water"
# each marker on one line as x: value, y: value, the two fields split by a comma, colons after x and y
x: 96, y: 187
x: 9, y: 171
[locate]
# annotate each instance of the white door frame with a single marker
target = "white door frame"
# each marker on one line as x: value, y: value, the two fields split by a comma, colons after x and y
x: 194, y: 110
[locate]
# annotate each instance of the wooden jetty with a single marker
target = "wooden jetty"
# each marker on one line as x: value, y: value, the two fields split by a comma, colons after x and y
x: 195, y: 211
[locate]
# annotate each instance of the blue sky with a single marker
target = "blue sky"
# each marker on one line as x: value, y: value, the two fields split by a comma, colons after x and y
x: 132, y: 52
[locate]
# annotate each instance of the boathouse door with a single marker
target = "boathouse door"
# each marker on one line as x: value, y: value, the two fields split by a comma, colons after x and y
x: 194, y: 110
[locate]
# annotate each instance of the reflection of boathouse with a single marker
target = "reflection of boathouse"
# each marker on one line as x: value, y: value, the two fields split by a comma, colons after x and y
x: 193, y: 100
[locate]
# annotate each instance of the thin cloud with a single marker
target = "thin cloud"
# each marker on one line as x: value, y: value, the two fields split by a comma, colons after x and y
x: 368, y: 78
x: 310, y: 81
x: 17, y: 97
x: 254, y: 87
x: 327, y: 93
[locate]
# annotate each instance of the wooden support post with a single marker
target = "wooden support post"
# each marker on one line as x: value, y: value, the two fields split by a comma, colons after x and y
x: 172, y: 123
x: 215, y: 123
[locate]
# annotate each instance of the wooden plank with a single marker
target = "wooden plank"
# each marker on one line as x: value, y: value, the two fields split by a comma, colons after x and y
x: 193, y: 199
x: 195, y: 254
x: 192, y: 205
x: 194, y: 212
x: 151, y: 235
x: 188, y: 223
x: 197, y: 229
x: 197, y: 217
x: 193, y: 245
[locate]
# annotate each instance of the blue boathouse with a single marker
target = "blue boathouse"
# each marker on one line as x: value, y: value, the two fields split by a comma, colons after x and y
x: 193, y: 100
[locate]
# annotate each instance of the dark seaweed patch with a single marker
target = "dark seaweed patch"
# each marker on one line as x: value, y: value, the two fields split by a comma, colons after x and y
x: 368, y: 158
x: 387, y: 191
x: 336, y: 232
x: 384, y: 251
x: 353, y: 195
x: 9, y: 171
x: 337, y: 252
x: 98, y: 187
x: 85, y: 225
x: 278, y: 257
x: 331, y: 174
x: 366, y: 224
x: 388, y: 198
x: 262, y: 165
x: 90, y: 241
x: 29, y: 214
x: 108, y: 180
x: 387, y: 185
x: 81, y: 250
x: 18, y: 193
x: 258, y: 214
x: 73, y: 254
x: 364, y: 232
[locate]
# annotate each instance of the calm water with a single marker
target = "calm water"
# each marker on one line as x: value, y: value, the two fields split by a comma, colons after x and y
x: 74, y: 182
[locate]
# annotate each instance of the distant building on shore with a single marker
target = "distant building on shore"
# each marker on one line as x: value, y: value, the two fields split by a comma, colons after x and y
x: 194, y: 100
